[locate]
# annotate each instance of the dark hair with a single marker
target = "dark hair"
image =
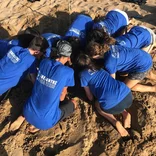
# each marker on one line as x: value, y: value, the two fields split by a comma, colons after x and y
x: 75, y: 43
x: 84, y: 61
x: 25, y: 39
x: 54, y: 54
x: 94, y: 48
x: 97, y: 19
x: 100, y: 36
x: 32, y: 31
x: 39, y: 43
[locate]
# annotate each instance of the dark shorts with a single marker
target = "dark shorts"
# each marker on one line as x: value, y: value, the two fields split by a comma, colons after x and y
x: 124, y: 104
x: 137, y: 76
x: 67, y: 108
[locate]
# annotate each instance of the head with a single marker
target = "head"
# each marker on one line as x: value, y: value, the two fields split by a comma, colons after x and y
x: 85, y: 62
x: 62, y: 51
x: 75, y: 43
x: 38, y: 46
x: 25, y: 39
x: 96, y: 50
x: 99, y: 36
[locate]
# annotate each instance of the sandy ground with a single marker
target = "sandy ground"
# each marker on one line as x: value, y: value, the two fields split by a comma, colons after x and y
x: 85, y: 132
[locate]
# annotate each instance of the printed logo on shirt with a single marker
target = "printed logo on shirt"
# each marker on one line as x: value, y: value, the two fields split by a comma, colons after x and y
x: 91, y: 72
x: 13, y: 57
x: 115, y: 52
x: 104, y: 27
x: 10, y: 42
x: 46, y: 81
x: 123, y: 43
x: 52, y: 36
x: 76, y: 31
x: 82, y: 34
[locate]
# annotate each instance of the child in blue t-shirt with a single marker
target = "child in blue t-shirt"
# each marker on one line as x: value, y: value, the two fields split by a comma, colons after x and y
x: 18, y: 62
x: 134, y: 62
x: 138, y: 37
x: 51, y: 38
x: 79, y: 29
x: 113, y: 96
x: 46, y: 105
x: 22, y: 40
x: 114, y: 22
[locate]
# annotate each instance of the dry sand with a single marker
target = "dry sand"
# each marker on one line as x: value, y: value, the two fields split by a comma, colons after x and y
x: 85, y: 133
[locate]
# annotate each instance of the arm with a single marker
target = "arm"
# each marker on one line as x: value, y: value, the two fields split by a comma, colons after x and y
x: 88, y: 93
x: 113, y: 75
x: 63, y: 94
x: 33, y: 78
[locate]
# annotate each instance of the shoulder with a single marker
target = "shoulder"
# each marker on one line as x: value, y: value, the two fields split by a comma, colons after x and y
x: 68, y: 69
x: 16, y: 48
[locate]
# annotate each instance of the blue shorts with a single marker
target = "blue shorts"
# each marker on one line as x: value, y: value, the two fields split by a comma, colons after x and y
x: 124, y: 104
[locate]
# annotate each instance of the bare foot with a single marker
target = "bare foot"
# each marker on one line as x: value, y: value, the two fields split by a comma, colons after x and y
x: 32, y: 129
x: 121, y: 129
x: 75, y: 101
x: 126, y: 119
x: 152, y: 75
x: 16, y: 124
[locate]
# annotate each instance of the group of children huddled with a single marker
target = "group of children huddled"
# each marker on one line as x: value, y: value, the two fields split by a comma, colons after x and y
x: 85, y: 42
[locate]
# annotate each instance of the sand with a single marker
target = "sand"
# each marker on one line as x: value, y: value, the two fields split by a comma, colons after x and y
x: 85, y: 132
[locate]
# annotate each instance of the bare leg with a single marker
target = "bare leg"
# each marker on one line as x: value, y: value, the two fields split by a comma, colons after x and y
x: 17, y: 123
x: 133, y: 85
x: 32, y: 129
x: 148, y: 49
x: 112, y: 120
x: 74, y: 100
x: 144, y: 88
x: 151, y: 75
x: 126, y: 119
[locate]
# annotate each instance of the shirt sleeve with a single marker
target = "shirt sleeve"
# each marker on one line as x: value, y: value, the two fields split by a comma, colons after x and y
x: 33, y: 68
x: 83, y: 80
x: 110, y: 63
x: 70, y: 80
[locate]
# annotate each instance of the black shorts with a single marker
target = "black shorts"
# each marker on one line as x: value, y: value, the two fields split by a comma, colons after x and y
x: 119, y: 108
x: 137, y: 75
x: 67, y: 107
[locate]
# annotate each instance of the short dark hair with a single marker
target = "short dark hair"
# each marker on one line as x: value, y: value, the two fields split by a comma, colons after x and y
x: 25, y: 39
x: 39, y: 43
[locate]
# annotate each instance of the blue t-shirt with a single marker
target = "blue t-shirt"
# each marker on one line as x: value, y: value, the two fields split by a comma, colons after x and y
x: 79, y: 28
x: 12, y: 67
x: 137, y: 37
x: 42, y: 108
x: 6, y: 45
x: 107, y: 90
x: 113, y: 22
x: 50, y: 37
x: 127, y: 60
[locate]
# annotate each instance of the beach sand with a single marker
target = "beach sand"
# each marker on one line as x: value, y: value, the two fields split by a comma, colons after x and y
x: 85, y: 132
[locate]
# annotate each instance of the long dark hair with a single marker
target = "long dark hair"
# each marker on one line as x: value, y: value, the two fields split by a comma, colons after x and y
x: 39, y: 43
x: 94, y: 48
x: 85, y: 62
x: 100, y: 36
